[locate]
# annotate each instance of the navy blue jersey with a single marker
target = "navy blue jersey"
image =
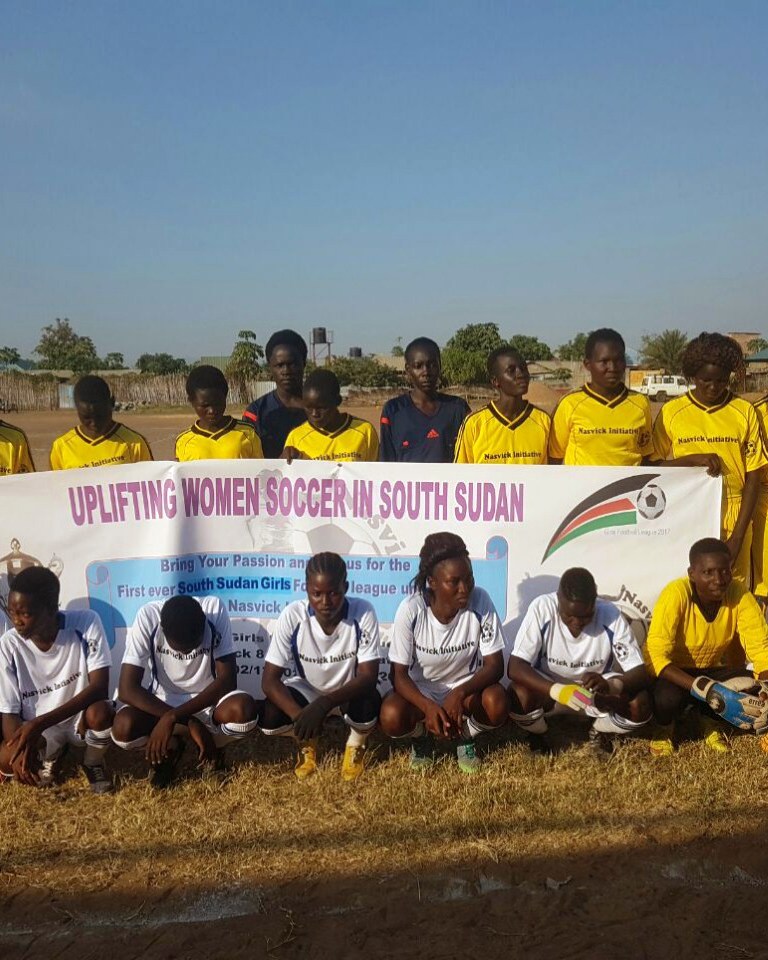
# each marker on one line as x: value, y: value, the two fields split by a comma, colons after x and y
x: 273, y: 421
x: 409, y: 435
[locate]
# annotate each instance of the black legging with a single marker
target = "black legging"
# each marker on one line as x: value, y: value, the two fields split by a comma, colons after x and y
x: 362, y: 709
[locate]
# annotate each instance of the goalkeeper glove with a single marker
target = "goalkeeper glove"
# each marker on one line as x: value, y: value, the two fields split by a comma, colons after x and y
x: 571, y: 695
x: 739, y: 709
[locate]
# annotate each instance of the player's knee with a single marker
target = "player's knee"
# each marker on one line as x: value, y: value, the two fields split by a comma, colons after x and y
x: 237, y: 709
x: 495, y: 704
x: 640, y: 707
x: 99, y: 715
x: 393, y: 716
x: 124, y: 725
x: 523, y: 700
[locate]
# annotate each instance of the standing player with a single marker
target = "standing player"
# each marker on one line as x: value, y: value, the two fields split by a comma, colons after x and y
x: 99, y: 440
x: 704, y: 628
x: 604, y: 424
x: 277, y: 413
x: 54, y: 676
x: 576, y: 653
x: 712, y: 428
x: 328, y: 433
x: 509, y: 429
x: 214, y: 435
x: 421, y: 426
x: 14, y: 451
x: 760, y: 521
x: 179, y: 679
x: 447, y: 654
x: 333, y: 645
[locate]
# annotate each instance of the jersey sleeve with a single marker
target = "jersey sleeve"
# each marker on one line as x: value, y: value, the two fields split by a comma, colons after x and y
x: 26, y: 465
x: 665, y: 621
x: 256, y: 450
x: 370, y: 646
x: 372, y: 454
x: 140, y: 636
x: 626, y: 652
x: 465, y: 442
x: 754, y: 451
x: 292, y: 440
x: 491, y: 636
x: 10, y: 696
x: 217, y: 614
x: 98, y: 655
x: 530, y: 635
x: 279, y: 650
x: 251, y: 415
x: 55, y: 457
x: 661, y: 440
x: 646, y: 438
x: 401, y: 645
x: 560, y: 430
x: 386, y: 444
x: 753, y: 632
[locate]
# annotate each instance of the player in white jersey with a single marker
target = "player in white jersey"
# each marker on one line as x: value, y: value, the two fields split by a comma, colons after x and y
x: 332, y: 644
x: 576, y: 653
x: 447, y: 656
x: 179, y: 680
x: 54, y: 677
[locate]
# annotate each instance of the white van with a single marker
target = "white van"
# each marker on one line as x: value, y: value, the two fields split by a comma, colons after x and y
x: 662, y: 386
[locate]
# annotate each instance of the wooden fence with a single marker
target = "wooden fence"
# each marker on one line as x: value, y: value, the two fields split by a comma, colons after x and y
x: 20, y: 391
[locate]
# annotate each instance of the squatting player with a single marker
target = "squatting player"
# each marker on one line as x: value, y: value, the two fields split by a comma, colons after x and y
x: 421, y: 426
x: 214, y: 435
x: 331, y: 642
x: 277, y: 413
x: 14, y: 451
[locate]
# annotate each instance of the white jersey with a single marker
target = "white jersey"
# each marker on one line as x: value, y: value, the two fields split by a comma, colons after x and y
x: 5, y: 623
x: 171, y: 676
x: 442, y: 656
x: 34, y: 682
x: 325, y: 662
x: 606, y: 645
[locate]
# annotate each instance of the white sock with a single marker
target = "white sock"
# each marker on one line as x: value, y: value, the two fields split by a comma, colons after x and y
x: 357, y: 738
x: 239, y: 730
x: 418, y: 731
x: 94, y: 755
x: 613, y: 723
x: 138, y: 744
x: 532, y: 722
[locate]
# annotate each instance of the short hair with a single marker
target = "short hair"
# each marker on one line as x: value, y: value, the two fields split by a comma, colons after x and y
x: 40, y: 583
x: 577, y: 585
x: 326, y: 383
x: 704, y: 546
x: 437, y: 547
x: 286, y: 338
x: 505, y: 350
x: 327, y: 565
x: 603, y: 335
x: 92, y: 389
x: 714, y: 348
x: 421, y: 343
x: 206, y: 377
x: 182, y: 618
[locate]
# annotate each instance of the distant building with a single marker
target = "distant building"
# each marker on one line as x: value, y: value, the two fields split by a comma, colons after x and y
x: 744, y: 339
x: 221, y: 362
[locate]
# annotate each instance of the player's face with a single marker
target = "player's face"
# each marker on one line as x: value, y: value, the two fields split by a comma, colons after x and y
x: 511, y: 378
x: 95, y: 418
x: 29, y: 619
x: 287, y: 369
x: 452, y: 583
x: 209, y: 405
x: 711, y: 383
x: 575, y: 614
x: 710, y: 575
x: 326, y: 596
x: 322, y: 413
x: 607, y: 366
x: 423, y: 370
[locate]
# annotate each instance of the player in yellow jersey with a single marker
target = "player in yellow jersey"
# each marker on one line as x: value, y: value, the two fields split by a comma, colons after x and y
x: 760, y: 521
x: 604, y: 424
x: 509, y: 429
x: 710, y: 427
x: 99, y: 440
x: 14, y: 451
x: 328, y: 433
x: 704, y: 629
x: 214, y: 435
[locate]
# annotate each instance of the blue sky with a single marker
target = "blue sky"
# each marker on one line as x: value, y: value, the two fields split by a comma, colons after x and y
x: 173, y: 172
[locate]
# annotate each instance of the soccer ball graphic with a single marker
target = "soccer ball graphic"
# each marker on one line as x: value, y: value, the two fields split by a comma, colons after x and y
x: 651, y: 502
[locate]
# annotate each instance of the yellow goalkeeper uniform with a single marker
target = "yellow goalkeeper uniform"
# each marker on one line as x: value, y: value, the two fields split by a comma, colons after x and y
x: 118, y: 445
x: 489, y: 437
x: 236, y: 440
x: 760, y: 518
x: 680, y: 634
x: 588, y: 430
x: 14, y: 451
x: 355, y: 440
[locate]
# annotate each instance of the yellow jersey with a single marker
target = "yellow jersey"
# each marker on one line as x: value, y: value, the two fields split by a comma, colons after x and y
x: 236, y: 440
x: 489, y: 437
x: 14, y: 451
x: 731, y: 429
x: 118, y: 445
x: 761, y: 409
x: 590, y: 431
x: 354, y: 440
x: 680, y: 634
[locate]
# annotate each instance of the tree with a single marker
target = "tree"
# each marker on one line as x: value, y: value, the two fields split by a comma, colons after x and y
x: 113, y: 361
x: 663, y: 351
x: 574, y: 349
x: 531, y: 348
x: 9, y: 356
x: 397, y: 350
x: 63, y: 349
x: 364, y: 372
x: 477, y: 338
x: 244, y: 363
x: 754, y: 346
x: 462, y: 367
x: 161, y: 363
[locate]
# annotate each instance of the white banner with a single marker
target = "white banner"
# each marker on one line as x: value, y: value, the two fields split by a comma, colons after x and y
x: 119, y: 537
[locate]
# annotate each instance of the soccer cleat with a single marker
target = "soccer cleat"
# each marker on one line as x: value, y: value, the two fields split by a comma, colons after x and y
x: 98, y: 778
x: 540, y: 744
x: 353, y: 763
x: 422, y: 756
x: 600, y: 745
x: 46, y: 775
x: 716, y: 741
x: 663, y: 747
x: 467, y: 759
x: 306, y: 762
x: 162, y: 774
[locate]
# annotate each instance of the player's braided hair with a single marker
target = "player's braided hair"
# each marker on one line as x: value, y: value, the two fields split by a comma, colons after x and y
x: 578, y: 586
x: 603, y: 335
x: 39, y: 583
x: 286, y: 338
x: 437, y: 548
x: 705, y: 546
x: 206, y: 377
x: 714, y: 348
x: 327, y: 565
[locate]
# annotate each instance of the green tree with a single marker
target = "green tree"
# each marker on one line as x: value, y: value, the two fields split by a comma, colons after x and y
x: 462, y: 367
x: 754, y: 346
x: 9, y: 355
x: 364, y: 372
x: 114, y: 361
x: 244, y: 364
x: 161, y: 363
x: 574, y: 349
x: 477, y: 338
x: 62, y: 349
x: 531, y: 348
x: 397, y: 350
x: 663, y: 351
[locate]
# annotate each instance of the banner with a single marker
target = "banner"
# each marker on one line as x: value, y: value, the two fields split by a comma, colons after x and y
x: 120, y: 537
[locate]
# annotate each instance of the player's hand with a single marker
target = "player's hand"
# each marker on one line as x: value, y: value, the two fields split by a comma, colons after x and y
x: 160, y: 739
x: 734, y: 546
x: 711, y: 461
x: 740, y: 709
x: 571, y: 695
x: 595, y: 683
x: 202, y: 739
x: 453, y: 705
x: 26, y: 738
x: 437, y: 721
x: 290, y: 454
x: 309, y: 723
x: 26, y: 766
